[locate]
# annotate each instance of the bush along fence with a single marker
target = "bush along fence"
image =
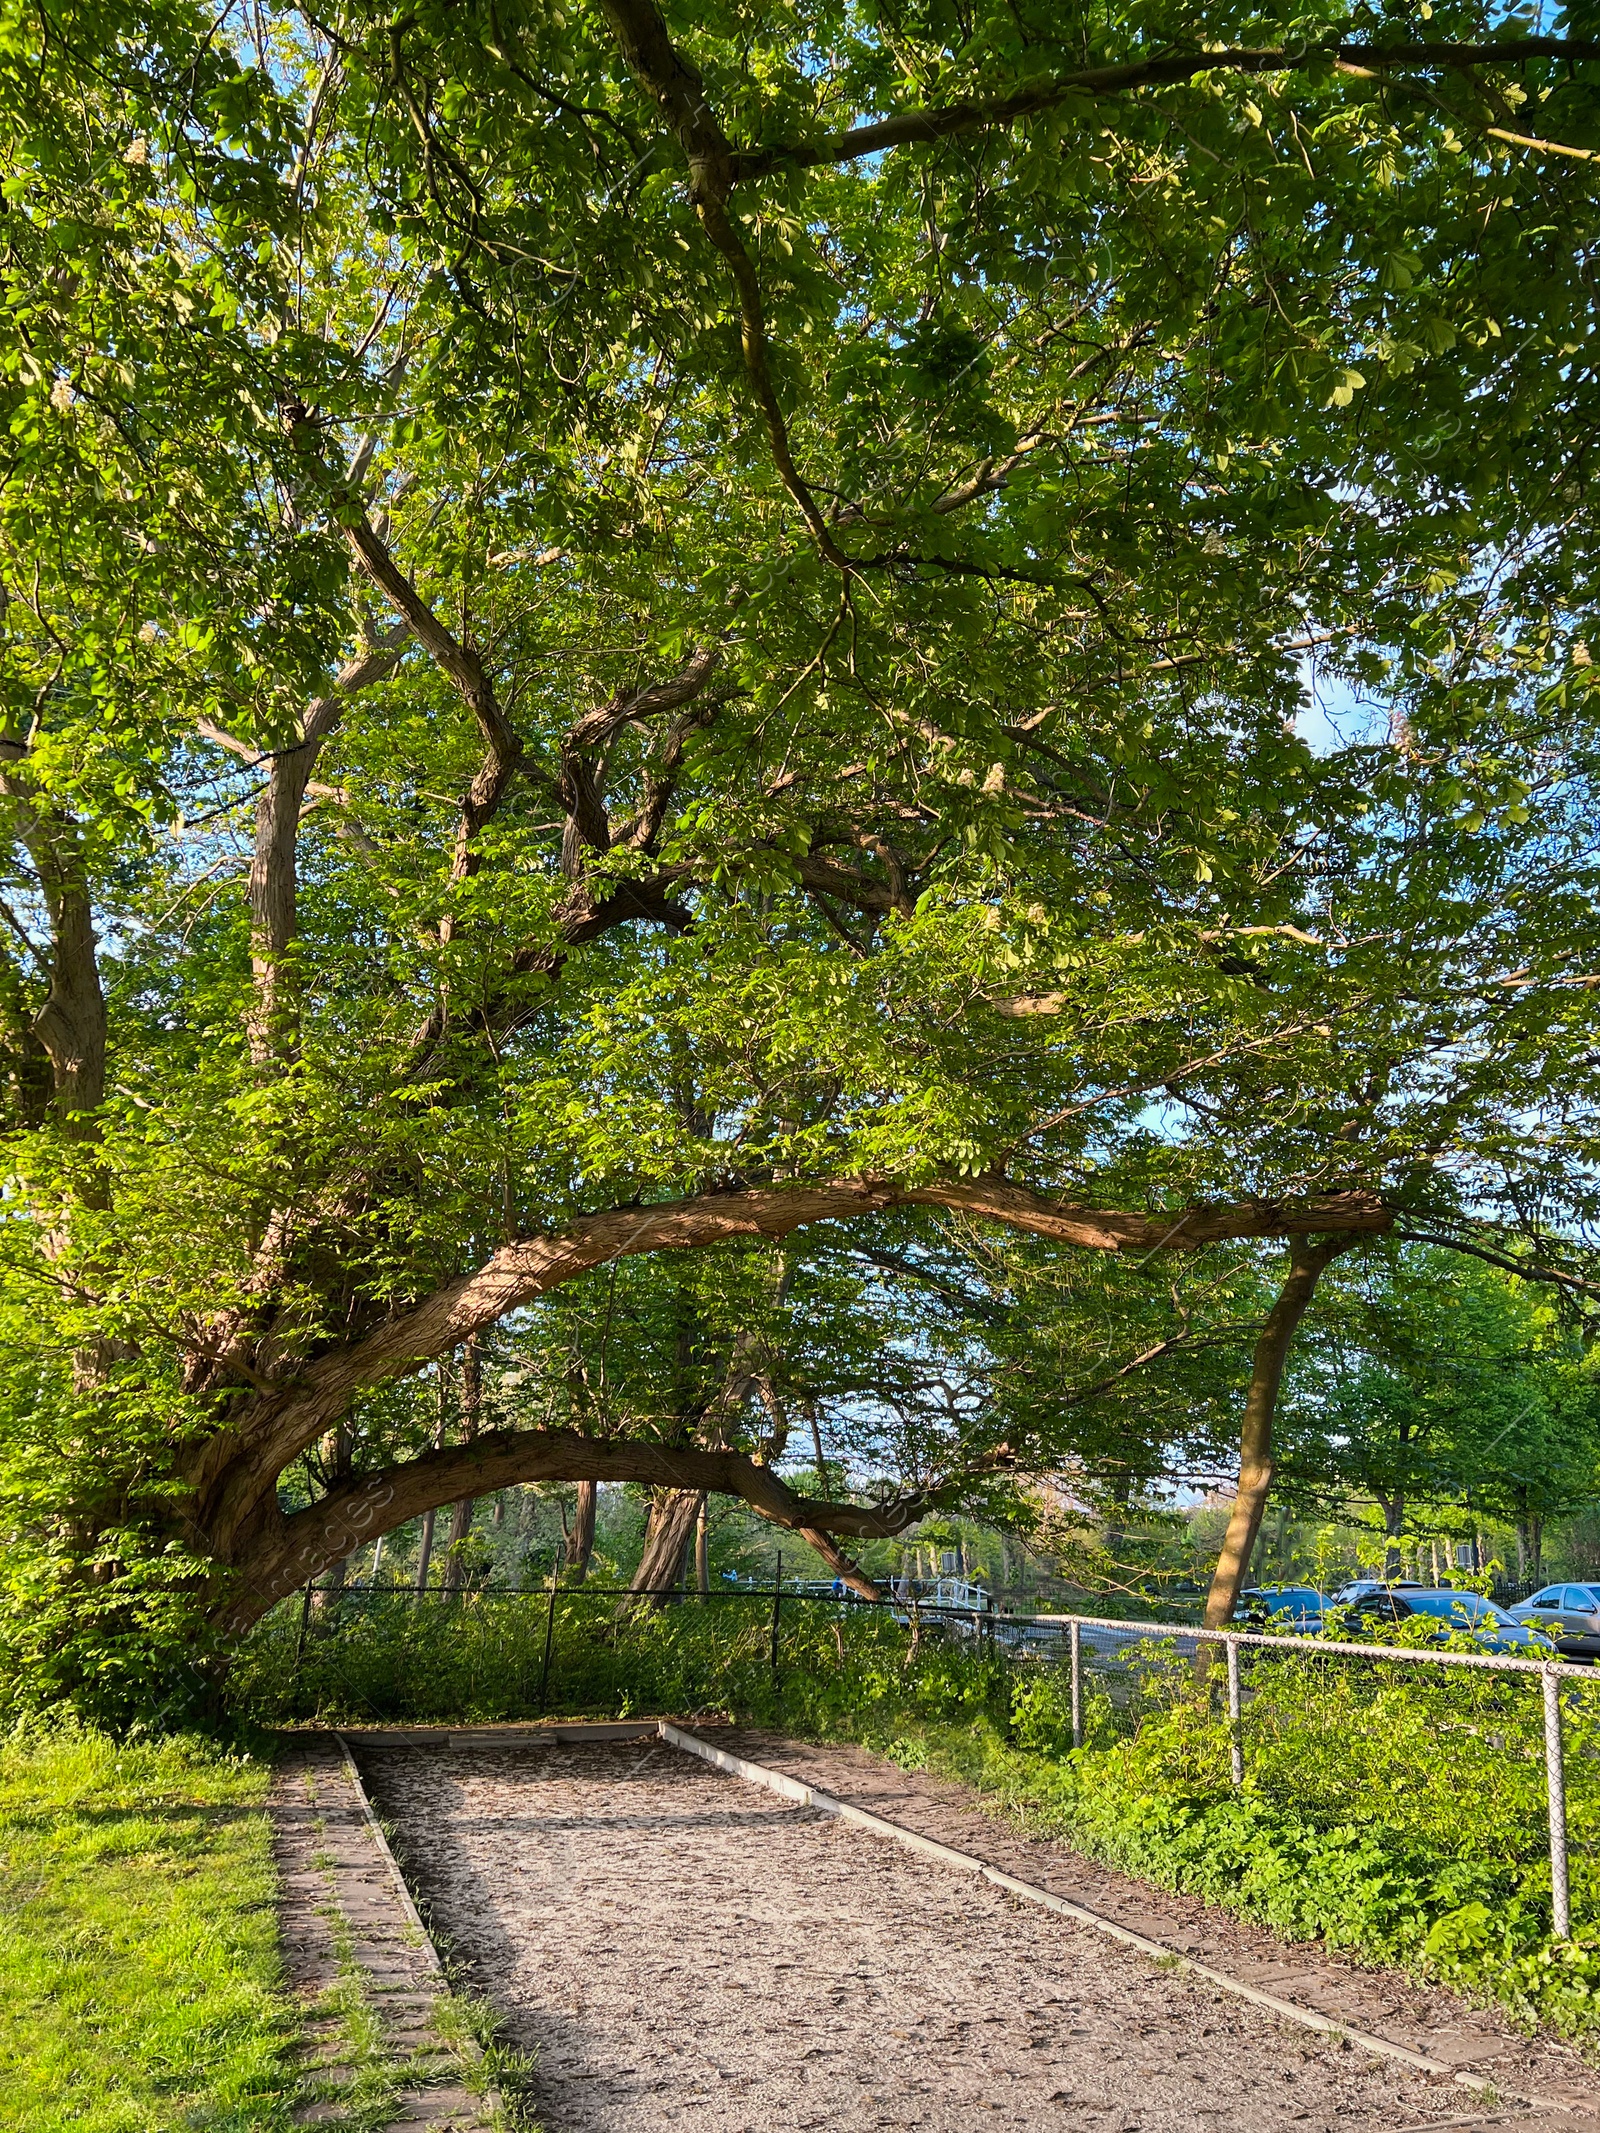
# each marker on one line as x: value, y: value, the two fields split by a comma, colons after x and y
x: 1549, y: 1675
x: 1434, y: 1807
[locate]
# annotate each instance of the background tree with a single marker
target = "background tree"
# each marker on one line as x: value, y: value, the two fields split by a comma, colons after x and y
x: 1440, y: 1387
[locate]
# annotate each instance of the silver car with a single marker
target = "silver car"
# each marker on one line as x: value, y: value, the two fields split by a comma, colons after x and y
x: 1570, y: 1614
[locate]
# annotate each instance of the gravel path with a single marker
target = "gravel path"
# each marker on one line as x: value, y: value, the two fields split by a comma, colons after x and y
x: 683, y: 1949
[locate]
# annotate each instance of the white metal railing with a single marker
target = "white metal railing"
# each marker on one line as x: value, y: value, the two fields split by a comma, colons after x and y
x: 1550, y: 1672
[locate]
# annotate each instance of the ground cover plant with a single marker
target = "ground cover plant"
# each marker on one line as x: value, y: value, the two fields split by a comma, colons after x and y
x: 1397, y: 1814
x: 139, y: 1971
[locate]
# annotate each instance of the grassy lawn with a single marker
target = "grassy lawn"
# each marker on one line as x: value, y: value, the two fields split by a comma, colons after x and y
x: 139, y: 1975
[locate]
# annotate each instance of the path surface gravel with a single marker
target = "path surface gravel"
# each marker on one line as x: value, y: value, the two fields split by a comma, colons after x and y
x: 680, y: 1949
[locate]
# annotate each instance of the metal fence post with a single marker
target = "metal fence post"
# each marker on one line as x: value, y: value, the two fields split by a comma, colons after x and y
x: 777, y: 1602
x: 1555, y: 1779
x: 1235, y: 1716
x: 300, y: 1640
x: 1075, y: 1639
x: 549, y: 1639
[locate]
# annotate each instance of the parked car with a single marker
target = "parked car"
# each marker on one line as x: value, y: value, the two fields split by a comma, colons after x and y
x: 1298, y: 1608
x: 1376, y: 1606
x: 1568, y: 1614
x: 1363, y: 1588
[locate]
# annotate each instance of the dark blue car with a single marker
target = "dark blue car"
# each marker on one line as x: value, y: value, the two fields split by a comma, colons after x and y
x: 1297, y: 1608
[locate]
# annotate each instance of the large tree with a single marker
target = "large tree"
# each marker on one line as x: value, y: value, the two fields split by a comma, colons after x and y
x: 625, y: 631
x: 1445, y: 1392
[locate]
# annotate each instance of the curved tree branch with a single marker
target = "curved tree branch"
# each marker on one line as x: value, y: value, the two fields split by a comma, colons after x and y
x: 302, y: 1546
x: 713, y: 163
x: 1524, y: 1269
x: 905, y: 128
x: 237, y: 1473
x: 459, y: 662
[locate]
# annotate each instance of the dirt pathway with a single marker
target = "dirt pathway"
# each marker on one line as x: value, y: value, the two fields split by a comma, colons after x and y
x: 683, y: 1949
x: 1482, y: 2041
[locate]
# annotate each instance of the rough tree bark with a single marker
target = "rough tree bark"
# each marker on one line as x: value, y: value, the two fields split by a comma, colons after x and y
x: 1530, y: 1546
x: 1394, y: 1518
x: 843, y: 1566
x: 71, y: 1024
x: 580, y: 1541
x: 272, y: 1023
x: 673, y: 1516
x: 1308, y: 1256
x: 425, y: 1549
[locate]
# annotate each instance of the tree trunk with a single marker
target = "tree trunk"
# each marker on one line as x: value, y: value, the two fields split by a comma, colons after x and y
x: 681, y: 1581
x: 425, y: 1552
x: 816, y: 1447
x: 271, y: 1021
x: 702, y: 1547
x: 471, y: 1416
x: 1394, y: 1518
x: 580, y: 1541
x: 71, y: 1025
x: 329, y: 1592
x: 273, y: 1017
x: 1116, y: 1525
x: 441, y: 1375
x: 1307, y: 1258
x: 460, y: 1526
x: 673, y: 1513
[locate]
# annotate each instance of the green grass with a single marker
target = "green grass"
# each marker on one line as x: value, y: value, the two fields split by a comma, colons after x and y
x: 139, y: 1970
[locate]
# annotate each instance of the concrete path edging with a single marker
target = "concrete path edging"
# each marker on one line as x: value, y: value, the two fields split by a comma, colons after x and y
x: 469, y: 2046
x: 795, y: 1789
x: 346, y: 1916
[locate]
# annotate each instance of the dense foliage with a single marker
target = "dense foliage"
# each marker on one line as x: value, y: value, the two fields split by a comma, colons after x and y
x: 628, y: 632
x: 1446, y: 1393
